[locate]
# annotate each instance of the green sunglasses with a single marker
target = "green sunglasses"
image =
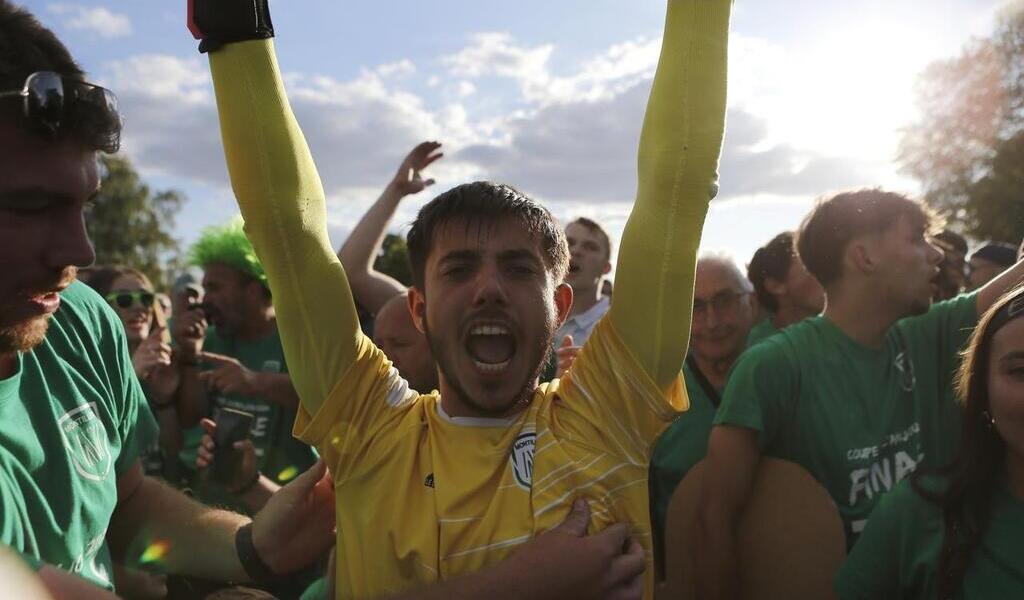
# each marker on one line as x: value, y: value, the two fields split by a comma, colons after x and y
x: 127, y: 299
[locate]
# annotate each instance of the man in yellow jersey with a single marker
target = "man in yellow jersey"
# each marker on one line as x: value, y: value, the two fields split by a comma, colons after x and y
x: 434, y: 487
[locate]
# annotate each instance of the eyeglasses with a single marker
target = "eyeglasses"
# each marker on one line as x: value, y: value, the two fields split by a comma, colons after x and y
x: 724, y: 302
x: 127, y: 299
x: 54, y: 106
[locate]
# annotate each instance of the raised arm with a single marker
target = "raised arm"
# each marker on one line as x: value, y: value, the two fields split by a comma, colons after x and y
x: 678, y: 162
x: 282, y: 201
x: 1003, y: 283
x: 371, y: 287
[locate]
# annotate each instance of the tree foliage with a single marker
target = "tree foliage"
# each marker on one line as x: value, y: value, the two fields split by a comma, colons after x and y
x: 130, y: 224
x: 967, y: 146
x: 393, y: 259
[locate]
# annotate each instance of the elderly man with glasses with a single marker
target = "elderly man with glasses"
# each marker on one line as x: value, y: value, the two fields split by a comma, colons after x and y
x: 723, y: 314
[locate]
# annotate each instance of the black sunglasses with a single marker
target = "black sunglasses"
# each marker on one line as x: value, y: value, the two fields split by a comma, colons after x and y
x: 55, y: 106
x: 126, y: 299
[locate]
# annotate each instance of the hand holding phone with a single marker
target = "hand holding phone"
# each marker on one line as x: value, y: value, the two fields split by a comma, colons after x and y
x: 232, y: 426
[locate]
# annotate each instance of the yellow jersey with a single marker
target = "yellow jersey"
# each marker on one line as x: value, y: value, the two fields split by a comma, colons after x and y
x: 424, y: 497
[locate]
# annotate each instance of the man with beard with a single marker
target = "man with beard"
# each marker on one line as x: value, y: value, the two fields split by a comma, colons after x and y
x: 859, y: 396
x: 381, y: 295
x: 783, y: 286
x: 494, y: 459
x: 72, y: 414
x: 723, y: 313
x: 230, y: 356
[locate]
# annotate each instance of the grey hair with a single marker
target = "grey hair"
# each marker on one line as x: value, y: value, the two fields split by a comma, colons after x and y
x: 727, y: 262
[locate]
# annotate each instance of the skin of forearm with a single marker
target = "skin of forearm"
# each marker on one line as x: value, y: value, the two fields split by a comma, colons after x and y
x: 256, y: 498
x: 358, y: 251
x: 170, y: 430
x: 991, y: 291
x: 716, y: 563
x: 370, y: 288
x: 200, y: 540
x: 192, y: 399
x: 277, y: 387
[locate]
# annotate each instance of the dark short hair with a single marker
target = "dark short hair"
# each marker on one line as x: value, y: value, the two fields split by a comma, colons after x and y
x: 997, y: 253
x: 486, y: 203
x: 771, y: 260
x: 593, y: 227
x: 951, y: 240
x: 26, y: 46
x: 834, y: 222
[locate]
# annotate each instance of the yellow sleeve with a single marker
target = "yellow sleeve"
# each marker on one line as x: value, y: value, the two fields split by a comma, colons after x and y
x: 282, y: 201
x: 677, y: 164
x: 607, y: 399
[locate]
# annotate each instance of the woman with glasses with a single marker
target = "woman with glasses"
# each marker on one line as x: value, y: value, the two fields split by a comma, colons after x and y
x: 959, y: 533
x: 130, y: 293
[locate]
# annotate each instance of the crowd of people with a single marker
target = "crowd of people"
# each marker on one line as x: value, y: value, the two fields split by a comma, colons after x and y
x: 290, y: 422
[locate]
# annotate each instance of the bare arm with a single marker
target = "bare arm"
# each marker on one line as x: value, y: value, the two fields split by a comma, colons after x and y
x: 992, y: 290
x: 230, y: 376
x: 277, y: 387
x: 370, y: 287
x: 200, y: 539
x: 732, y: 460
x: 191, y: 398
x: 295, y: 527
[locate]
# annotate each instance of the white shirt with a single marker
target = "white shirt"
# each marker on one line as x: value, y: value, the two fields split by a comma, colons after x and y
x: 579, y: 326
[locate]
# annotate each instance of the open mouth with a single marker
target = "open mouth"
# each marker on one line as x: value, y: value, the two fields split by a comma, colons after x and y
x: 491, y: 346
x: 137, y: 322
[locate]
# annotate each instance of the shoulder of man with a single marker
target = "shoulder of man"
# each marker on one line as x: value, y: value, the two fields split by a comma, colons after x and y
x: 956, y: 312
x: 81, y: 303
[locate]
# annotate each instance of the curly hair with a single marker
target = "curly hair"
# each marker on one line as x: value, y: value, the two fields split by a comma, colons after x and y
x: 227, y: 245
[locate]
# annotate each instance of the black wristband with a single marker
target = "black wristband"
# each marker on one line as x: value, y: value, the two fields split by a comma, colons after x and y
x: 219, y: 22
x: 254, y: 566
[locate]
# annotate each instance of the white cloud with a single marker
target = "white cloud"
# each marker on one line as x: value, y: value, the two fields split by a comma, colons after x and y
x: 570, y: 138
x: 97, y: 20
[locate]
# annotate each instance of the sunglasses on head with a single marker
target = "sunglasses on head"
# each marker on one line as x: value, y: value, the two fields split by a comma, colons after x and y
x: 55, y: 106
x: 127, y: 299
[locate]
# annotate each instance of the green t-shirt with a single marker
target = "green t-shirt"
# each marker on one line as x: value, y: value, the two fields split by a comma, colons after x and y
x: 762, y: 330
x: 72, y: 420
x: 859, y: 420
x: 677, y: 450
x: 279, y: 455
x: 898, y: 554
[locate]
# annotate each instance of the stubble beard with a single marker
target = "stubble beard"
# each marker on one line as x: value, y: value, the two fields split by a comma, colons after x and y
x: 23, y: 336
x: 520, y: 400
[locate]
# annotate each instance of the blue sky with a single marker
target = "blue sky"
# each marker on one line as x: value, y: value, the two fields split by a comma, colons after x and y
x: 547, y: 95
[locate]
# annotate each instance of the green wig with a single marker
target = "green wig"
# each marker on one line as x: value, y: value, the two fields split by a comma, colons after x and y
x: 228, y: 245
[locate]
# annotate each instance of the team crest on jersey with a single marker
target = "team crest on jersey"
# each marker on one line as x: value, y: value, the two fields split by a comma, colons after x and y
x: 521, y: 459
x: 86, y: 442
x: 903, y: 364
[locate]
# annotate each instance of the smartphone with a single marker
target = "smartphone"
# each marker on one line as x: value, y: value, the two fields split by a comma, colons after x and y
x: 232, y: 426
